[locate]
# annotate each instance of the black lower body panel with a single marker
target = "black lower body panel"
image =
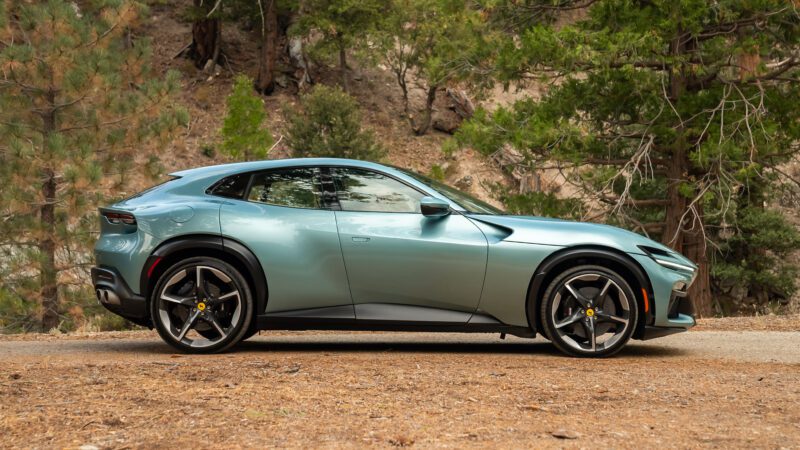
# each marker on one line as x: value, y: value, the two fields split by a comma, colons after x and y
x: 657, y: 332
x: 114, y: 294
x: 387, y: 317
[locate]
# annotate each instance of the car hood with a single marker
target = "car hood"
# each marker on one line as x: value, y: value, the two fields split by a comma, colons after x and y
x: 565, y: 233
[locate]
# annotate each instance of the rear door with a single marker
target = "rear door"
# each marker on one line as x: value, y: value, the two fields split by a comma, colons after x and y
x: 284, y: 220
x: 403, y: 266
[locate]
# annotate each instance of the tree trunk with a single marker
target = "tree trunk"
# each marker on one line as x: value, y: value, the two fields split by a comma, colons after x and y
x: 343, y: 68
x: 265, y: 83
x: 400, y: 73
x: 425, y: 124
x: 206, y: 37
x: 694, y: 248
x: 676, y: 206
x: 48, y: 275
x: 690, y: 242
x: 47, y: 247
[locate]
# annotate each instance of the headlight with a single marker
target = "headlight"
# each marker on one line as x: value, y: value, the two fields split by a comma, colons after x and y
x: 666, y: 259
x: 674, y: 265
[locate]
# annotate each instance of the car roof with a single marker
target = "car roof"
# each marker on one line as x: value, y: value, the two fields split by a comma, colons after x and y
x: 201, y: 178
x: 241, y: 167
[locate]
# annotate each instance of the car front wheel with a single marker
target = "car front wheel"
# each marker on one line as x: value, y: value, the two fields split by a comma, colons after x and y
x: 589, y: 311
x: 201, y: 305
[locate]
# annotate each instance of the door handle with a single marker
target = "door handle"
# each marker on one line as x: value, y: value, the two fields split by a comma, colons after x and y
x: 360, y: 239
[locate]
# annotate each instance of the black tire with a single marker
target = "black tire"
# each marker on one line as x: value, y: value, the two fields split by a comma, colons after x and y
x: 250, y: 333
x: 574, y: 325
x: 163, y: 312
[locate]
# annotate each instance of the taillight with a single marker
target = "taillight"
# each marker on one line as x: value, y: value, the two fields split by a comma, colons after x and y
x: 118, y: 218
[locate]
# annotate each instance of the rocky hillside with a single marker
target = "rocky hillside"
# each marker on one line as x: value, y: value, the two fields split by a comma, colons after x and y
x: 376, y: 91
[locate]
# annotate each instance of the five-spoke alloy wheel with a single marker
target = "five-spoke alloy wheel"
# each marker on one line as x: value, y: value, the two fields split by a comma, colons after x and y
x: 202, y: 305
x: 589, y: 311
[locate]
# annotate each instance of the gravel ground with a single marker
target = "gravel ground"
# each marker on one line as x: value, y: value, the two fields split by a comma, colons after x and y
x: 128, y: 390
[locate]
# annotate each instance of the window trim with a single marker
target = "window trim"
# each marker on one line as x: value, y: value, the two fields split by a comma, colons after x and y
x: 324, y: 170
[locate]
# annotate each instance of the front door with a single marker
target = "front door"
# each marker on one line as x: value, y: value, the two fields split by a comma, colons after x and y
x: 403, y: 266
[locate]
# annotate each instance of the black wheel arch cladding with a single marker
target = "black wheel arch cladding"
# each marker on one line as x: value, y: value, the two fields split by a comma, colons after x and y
x: 224, y: 248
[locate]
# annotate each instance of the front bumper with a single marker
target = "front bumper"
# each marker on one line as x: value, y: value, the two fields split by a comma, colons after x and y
x: 657, y: 332
x: 114, y: 294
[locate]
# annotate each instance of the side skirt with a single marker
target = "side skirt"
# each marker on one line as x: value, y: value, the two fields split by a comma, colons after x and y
x: 341, y: 318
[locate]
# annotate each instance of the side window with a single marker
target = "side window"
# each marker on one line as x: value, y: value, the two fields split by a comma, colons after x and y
x: 231, y: 187
x: 364, y: 190
x: 297, y: 188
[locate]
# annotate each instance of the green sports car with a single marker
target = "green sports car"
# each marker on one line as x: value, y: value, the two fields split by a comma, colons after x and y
x: 218, y: 253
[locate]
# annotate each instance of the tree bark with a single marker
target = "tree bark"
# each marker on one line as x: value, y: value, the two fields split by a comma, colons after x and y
x: 424, y: 125
x: 690, y: 242
x: 343, y: 67
x: 265, y: 82
x: 206, y: 37
x: 694, y: 248
x: 677, y: 202
x: 48, y: 274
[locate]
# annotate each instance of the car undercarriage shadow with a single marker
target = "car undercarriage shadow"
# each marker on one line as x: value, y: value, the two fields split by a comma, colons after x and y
x: 353, y: 346
x: 266, y: 344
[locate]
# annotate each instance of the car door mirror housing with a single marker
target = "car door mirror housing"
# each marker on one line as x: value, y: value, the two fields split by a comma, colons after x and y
x: 434, y: 207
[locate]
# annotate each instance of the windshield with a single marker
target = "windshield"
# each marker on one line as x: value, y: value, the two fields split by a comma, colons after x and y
x: 469, y: 203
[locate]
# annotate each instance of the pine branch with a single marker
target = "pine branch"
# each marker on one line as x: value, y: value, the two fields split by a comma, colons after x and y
x: 731, y: 27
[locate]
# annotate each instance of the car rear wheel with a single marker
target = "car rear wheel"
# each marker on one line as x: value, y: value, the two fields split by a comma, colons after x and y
x: 202, y: 305
x: 589, y: 311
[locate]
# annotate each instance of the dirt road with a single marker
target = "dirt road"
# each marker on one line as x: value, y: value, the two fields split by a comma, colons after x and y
x: 703, y: 388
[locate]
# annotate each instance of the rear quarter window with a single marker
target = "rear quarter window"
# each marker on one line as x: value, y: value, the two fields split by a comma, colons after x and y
x: 231, y: 187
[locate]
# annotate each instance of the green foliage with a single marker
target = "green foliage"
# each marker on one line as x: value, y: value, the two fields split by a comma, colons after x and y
x: 343, y: 24
x: 329, y: 125
x: 439, y: 42
x: 77, y: 102
x: 208, y: 150
x: 544, y: 204
x: 437, y: 173
x: 243, y: 132
x: 683, y: 112
x: 755, y: 255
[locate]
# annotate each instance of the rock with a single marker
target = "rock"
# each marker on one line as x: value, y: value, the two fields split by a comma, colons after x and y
x: 465, y: 182
x: 738, y: 293
x: 450, y: 109
x: 565, y: 434
x: 282, y: 81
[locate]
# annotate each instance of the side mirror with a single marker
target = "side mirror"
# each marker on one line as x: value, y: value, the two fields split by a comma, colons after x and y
x: 434, y: 207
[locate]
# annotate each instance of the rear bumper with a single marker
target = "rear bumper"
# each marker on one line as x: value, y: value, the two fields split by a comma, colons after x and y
x: 114, y: 294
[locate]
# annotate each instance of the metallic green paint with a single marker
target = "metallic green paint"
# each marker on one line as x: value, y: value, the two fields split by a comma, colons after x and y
x: 298, y: 249
x: 321, y: 258
x: 410, y: 259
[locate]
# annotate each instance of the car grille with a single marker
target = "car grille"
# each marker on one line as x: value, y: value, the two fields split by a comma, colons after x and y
x: 680, y: 303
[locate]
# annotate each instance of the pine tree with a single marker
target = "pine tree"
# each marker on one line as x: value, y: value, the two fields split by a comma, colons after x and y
x: 329, y: 125
x: 77, y: 100
x: 243, y: 132
x: 436, y: 42
x: 683, y: 111
x: 343, y: 24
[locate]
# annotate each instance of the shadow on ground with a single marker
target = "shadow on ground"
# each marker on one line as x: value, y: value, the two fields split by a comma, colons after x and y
x: 533, y: 348
x: 359, y: 343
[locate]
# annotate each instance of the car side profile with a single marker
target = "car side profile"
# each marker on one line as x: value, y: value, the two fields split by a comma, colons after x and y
x: 218, y: 253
